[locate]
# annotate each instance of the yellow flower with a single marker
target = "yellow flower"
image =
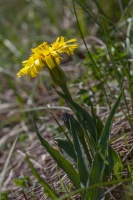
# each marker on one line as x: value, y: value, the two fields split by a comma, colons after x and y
x: 31, y: 66
x: 46, y: 55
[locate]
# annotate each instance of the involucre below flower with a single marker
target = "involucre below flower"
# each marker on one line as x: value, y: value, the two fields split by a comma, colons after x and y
x: 46, y: 55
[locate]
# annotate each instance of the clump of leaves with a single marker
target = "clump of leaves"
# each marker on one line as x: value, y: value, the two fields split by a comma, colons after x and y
x: 87, y: 158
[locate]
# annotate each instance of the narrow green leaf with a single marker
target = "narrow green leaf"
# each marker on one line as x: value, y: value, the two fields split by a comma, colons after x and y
x: 67, y: 148
x: 118, y: 165
x: 99, y: 125
x: 112, y: 158
x: 46, y: 187
x: 62, y: 129
x: 60, y: 160
x: 80, y: 113
x: 98, y: 166
x: 109, y: 161
x: 80, y: 133
x: 106, y: 130
x: 85, y: 120
x: 83, y: 168
x: 96, y: 175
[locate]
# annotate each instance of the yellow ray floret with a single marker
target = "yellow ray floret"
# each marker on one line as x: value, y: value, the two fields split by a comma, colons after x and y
x: 46, y: 55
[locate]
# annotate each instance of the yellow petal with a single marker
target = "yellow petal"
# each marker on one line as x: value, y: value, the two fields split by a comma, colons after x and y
x: 62, y: 40
x: 49, y: 62
x: 57, y: 60
x: 72, y: 40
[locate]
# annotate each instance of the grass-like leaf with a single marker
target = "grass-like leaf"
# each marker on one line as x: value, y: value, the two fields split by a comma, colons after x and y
x: 106, y: 130
x: 67, y: 148
x: 80, y: 134
x: 50, y: 192
x: 118, y: 165
x: 60, y: 160
x: 98, y: 166
x: 85, y: 120
x: 83, y: 167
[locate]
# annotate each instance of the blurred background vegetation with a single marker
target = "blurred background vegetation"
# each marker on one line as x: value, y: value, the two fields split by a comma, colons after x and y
x: 24, y: 24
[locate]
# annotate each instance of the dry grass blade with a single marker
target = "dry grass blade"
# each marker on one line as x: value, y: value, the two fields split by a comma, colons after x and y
x: 2, y: 175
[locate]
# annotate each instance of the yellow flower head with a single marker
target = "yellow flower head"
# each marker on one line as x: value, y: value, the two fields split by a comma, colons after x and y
x: 46, y: 55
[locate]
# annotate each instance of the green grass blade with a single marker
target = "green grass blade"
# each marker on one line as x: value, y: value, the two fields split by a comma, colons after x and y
x: 112, y: 158
x: 67, y: 148
x: 61, y: 128
x: 106, y: 130
x: 118, y: 165
x: 80, y: 133
x: 98, y: 166
x: 99, y: 125
x: 85, y: 120
x: 100, y: 76
x: 118, y: 76
x: 109, y: 161
x: 83, y: 168
x: 88, y: 11
x: 60, y: 160
x: 47, y: 188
